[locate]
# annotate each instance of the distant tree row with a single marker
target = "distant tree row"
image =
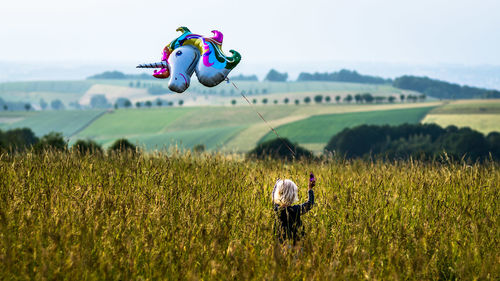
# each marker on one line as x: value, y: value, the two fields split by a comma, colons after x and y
x: 422, y: 141
x: 120, y: 75
x: 343, y: 75
x: 358, y: 98
x: 19, y: 140
x: 442, y: 89
x: 242, y: 77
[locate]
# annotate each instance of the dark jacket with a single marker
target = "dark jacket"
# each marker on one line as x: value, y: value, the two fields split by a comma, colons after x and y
x: 288, y: 224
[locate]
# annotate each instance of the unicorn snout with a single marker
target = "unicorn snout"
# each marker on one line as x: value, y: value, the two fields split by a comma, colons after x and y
x: 179, y: 83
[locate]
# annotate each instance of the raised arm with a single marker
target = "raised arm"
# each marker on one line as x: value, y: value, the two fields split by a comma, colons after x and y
x: 305, y: 207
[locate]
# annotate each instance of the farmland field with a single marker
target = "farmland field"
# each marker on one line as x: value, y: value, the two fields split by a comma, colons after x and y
x: 127, y: 122
x: 211, y: 138
x: 320, y: 128
x: 124, y: 217
x: 65, y: 122
x: 480, y: 115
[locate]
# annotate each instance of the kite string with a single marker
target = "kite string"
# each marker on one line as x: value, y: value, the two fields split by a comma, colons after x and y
x: 261, y: 117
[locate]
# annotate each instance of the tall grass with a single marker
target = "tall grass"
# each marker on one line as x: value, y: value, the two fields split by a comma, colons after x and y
x: 149, y: 217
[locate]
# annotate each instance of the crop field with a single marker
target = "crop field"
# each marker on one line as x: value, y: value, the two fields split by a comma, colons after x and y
x: 43, y: 122
x: 320, y: 128
x: 208, y: 216
x: 218, y: 128
x: 480, y: 115
x: 128, y: 122
x: 211, y: 138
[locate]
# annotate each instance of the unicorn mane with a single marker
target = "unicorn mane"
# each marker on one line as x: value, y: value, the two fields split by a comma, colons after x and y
x: 210, y: 48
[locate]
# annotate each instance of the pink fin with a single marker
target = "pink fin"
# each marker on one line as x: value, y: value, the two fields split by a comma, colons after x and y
x: 218, y: 36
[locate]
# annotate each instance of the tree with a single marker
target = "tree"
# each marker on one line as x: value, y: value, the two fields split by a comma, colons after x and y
x: 181, y: 102
x: 17, y: 139
x: 358, y: 98
x: 127, y: 103
x: 27, y: 106
x: 264, y: 101
x: 159, y: 103
x: 275, y: 101
x: 348, y: 98
x: 391, y: 99
x: 170, y: 103
x: 43, y: 104
x: 131, y: 84
x: 279, y: 149
x: 99, y: 101
x: 286, y: 100
x: 199, y: 148
x: 297, y: 102
x: 109, y: 75
x: 422, y: 97
x: 337, y: 99
x: 233, y: 102
x: 402, y: 98
x: 5, y: 107
x: 318, y: 98
x: 368, y: 98
x: 275, y: 76
x: 328, y: 99
x: 57, y: 104
x: 307, y: 100
x: 148, y: 104
x: 122, y: 145
x: 51, y: 141
x: 87, y: 147
x: 138, y: 104
x: 242, y: 77
x: 138, y: 84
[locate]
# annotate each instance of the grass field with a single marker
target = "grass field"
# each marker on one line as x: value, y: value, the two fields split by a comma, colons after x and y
x: 130, y: 122
x: 212, y: 138
x: 320, y: 128
x: 65, y: 216
x: 484, y: 123
x: 66, y: 122
x: 480, y: 115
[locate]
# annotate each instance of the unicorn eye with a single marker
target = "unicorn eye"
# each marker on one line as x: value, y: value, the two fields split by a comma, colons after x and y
x: 178, y: 53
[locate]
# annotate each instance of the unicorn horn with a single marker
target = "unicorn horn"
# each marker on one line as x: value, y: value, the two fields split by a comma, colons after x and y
x: 161, y: 64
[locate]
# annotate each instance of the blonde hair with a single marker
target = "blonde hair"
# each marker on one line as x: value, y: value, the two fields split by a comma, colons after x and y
x: 285, y: 193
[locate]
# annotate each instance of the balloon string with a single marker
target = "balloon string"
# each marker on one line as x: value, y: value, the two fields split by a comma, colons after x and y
x: 261, y: 117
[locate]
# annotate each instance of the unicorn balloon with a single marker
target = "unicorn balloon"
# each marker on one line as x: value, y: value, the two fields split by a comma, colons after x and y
x: 190, y: 53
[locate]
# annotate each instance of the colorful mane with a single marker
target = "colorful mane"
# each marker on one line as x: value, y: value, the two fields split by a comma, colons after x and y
x: 210, y: 48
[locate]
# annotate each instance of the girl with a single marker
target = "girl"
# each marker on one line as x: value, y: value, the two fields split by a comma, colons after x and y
x: 288, y: 225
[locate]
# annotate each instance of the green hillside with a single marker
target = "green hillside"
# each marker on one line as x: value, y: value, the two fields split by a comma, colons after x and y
x: 212, y: 138
x: 132, y: 122
x: 67, y: 122
x: 320, y: 128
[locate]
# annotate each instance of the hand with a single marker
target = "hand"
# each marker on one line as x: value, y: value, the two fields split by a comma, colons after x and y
x: 312, y: 184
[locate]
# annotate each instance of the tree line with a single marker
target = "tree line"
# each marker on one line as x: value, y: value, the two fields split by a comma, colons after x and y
x: 422, y: 141
x: 343, y: 75
x: 442, y: 89
x: 24, y: 139
x: 425, y: 142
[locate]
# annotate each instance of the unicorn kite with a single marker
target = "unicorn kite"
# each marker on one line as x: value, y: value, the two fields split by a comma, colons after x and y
x: 190, y: 53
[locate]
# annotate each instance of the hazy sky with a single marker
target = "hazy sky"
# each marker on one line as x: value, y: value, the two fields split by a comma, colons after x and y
x: 263, y: 31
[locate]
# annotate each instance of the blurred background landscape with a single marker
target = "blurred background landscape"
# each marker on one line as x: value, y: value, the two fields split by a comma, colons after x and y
x: 403, y: 64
